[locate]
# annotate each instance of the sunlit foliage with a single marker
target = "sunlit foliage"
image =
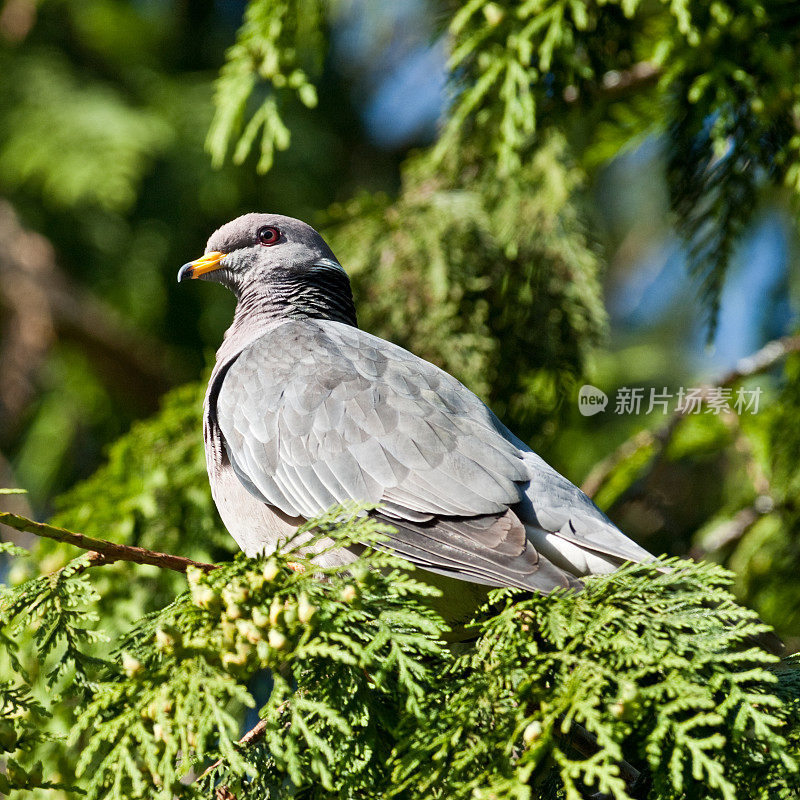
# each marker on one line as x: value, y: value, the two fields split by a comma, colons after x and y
x: 124, y: 681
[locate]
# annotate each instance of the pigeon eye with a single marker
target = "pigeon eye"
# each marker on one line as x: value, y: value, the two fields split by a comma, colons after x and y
x: 268, y: 235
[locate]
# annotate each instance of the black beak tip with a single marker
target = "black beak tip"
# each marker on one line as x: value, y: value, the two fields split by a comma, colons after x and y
x: 185, y: 272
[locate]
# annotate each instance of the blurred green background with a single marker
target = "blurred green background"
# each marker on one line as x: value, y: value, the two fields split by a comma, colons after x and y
x: 524, y: 278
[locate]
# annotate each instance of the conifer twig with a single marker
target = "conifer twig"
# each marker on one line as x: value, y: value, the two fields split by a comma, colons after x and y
x: 587, y: 745
x: 755, y: 364
x: 108, y: 552
x: 253, y: 735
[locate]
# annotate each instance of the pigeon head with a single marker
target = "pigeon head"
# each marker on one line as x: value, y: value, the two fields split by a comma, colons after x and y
x: 276, y: 265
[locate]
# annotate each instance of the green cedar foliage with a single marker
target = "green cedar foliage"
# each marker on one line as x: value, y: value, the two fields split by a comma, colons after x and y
x: 122, y: 681
x: 719, y: 79
x: 280, y: 42
x: 482, y: 263
x: 653, y: 666
x: 637, y: 660
x: 751, y: 523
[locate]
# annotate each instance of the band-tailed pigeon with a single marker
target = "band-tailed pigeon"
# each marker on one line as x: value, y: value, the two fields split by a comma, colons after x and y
x: 305, y: 410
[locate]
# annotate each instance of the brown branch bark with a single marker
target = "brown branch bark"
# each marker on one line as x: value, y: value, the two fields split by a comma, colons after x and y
x: 106, y: 552
x: 726, y: 533
x: 253, y: 735
x: 755, y: 364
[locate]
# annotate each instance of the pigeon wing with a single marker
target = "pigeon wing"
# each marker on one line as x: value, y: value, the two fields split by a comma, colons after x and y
x: 316, y: 413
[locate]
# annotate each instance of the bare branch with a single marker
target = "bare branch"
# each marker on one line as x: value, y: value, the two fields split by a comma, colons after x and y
x: 726, y: 533
x: 107, y: 552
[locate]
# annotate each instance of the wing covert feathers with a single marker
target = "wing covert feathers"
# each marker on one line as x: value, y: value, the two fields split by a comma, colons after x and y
x: 316, y: 413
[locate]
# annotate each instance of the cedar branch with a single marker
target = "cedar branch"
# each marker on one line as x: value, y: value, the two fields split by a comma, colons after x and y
x: 107, y: 552
x: 253, y: 735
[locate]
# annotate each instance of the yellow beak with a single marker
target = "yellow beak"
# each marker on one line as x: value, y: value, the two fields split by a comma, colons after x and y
x: 194, y: 269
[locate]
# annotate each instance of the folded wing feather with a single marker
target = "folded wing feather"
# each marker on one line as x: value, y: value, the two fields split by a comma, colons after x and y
x: 316, y: 412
